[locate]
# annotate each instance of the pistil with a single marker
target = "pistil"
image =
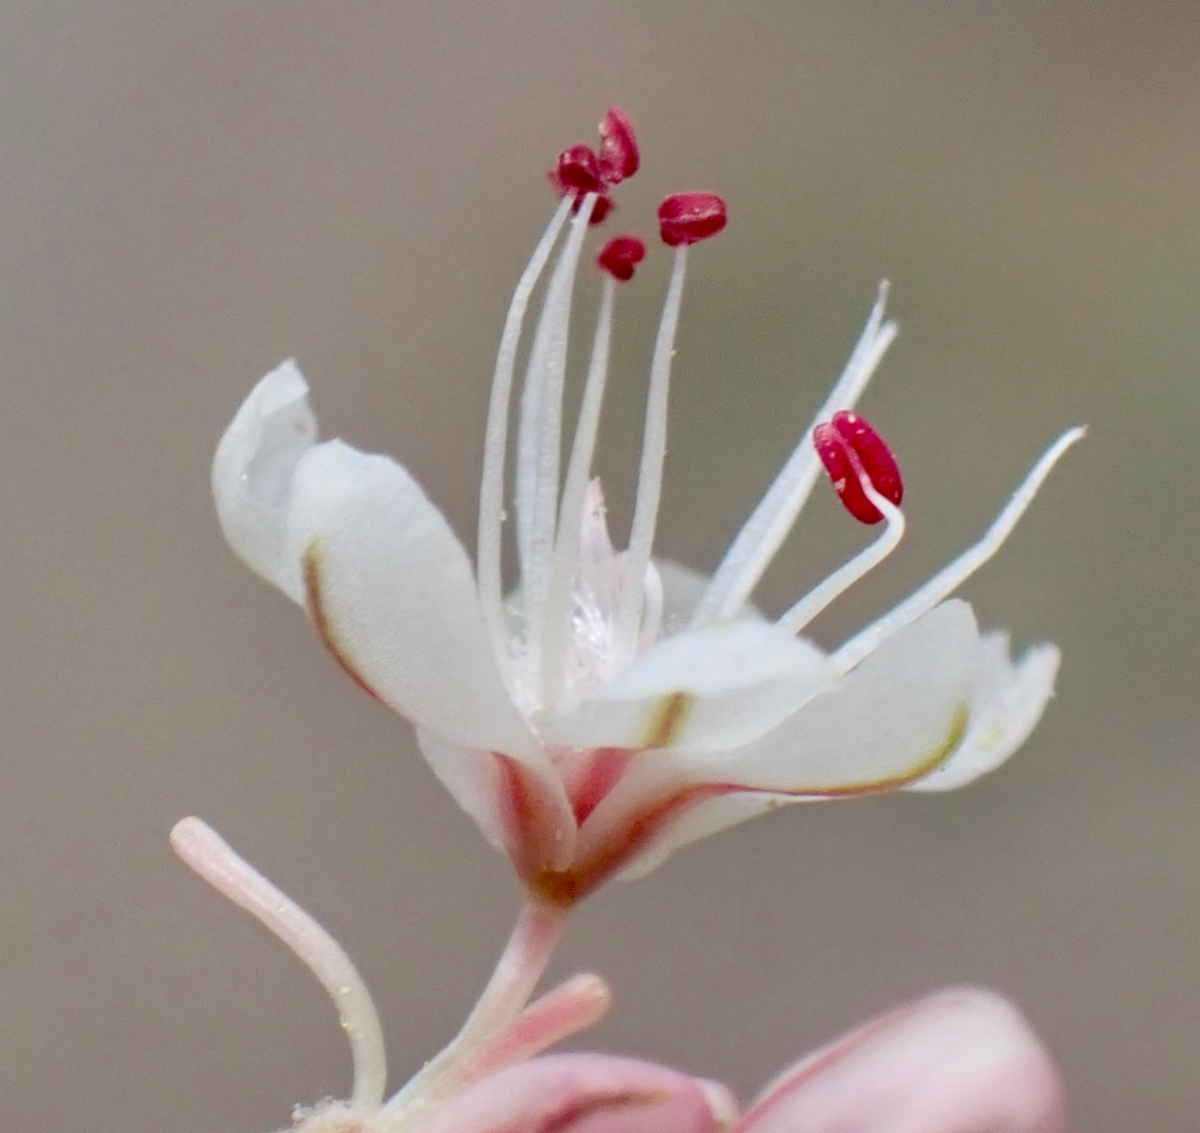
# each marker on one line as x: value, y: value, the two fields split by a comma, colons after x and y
x: 618, y: 259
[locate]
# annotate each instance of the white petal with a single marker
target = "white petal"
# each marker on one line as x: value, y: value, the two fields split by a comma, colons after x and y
x: 893, y: 718
x: 391, y: 591
x: 252, y: 472
x: 958, y: 1061
x: 537, y: 837
x: 709, y: 817
x: 879, y: 728
x: 704, y: 690
x: 470, y: 775
x: 1006, y: 704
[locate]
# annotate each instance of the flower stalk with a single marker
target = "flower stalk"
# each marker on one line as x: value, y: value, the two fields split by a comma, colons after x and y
x: 538, y: 930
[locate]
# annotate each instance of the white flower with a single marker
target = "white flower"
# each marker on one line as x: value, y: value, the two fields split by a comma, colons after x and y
x: 614, y: 707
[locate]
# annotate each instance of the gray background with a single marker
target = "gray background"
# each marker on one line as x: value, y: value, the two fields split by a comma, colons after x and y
x: 190, y: 192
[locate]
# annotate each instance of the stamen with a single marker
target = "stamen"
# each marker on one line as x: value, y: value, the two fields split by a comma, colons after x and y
x: 207, y: 853
x: 539, y: 441
x: 601, y: 209
x: 951, y: 577
x: 577, y: 170
x: 491, y: 489
x: 654, y: 449
x: 619, y: 157
x: 688, y: 218
x: 621, y: 255
x: 763, y: 534
x: 555, y: 630
x: 855, y: 455
x: 816, y: 600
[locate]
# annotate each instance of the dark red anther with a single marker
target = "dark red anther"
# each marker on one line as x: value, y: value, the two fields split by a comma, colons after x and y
x: 600, y: 209
x: 577, y: 170
x: 850, y: 449
x: 621, y: 255
x: 688, y: 218
x: 619, y: 157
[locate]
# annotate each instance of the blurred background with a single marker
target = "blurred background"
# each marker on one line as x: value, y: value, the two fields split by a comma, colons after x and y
x: 191, y: 192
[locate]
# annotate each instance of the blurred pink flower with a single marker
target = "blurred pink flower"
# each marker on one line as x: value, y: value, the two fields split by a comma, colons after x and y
x: 959, y: 1061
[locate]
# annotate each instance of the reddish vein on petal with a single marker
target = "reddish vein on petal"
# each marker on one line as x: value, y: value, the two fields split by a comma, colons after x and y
x: 603, y: 770
x: 529, y: 816
x: 315, y: 599
x: 565, y: 887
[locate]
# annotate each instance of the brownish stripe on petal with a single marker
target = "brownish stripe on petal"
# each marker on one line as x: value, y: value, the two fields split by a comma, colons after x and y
x: 668, y: 719
x: 926, y: 766
x: 565, y: 887
x: 531, y: 815
x: 643, y: 826
x: 315, y: 600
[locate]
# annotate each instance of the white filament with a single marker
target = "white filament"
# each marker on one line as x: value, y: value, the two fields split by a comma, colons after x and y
x: 764, y: 532
x: 211, y: 857
x: 654, y: 450
x: 539, y: 442
x: 495, y: 446
x: 652, y: 610
x: 951, y: 577
x: 555, y: 623
x: 846, y: 576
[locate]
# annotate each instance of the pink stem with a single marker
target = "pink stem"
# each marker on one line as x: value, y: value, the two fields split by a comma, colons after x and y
x: 571, y: 1007
x: 538, y: 930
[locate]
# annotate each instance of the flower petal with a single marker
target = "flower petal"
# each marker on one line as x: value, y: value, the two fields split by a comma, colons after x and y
x: 883, y: 725
x: 522, y: 813
x: 708, y: 816
x: 1006, y: 704
x: 391, y: 591
x: 958, y: 1061
x: 887, y: 722
x: 580, y: 1093
x: 703, y: 690
x: 253, y: 468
